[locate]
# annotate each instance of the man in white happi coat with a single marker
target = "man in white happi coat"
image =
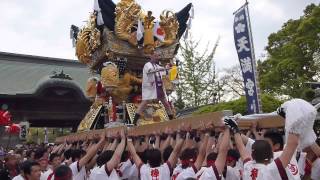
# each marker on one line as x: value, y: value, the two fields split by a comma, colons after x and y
x: 152, y: 86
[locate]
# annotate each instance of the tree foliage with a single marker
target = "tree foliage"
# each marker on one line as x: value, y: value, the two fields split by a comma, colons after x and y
x: 291, y: 55
x: 269, y: 104
x: 231, y: 83
x: 196, y: 74
x: 38, y: 134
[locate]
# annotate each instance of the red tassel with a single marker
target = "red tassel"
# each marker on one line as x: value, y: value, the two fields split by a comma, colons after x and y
x: 99, y: 88
x: 307, y: 168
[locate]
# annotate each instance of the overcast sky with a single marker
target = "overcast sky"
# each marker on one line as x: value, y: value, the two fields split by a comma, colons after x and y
x: 41, y: 27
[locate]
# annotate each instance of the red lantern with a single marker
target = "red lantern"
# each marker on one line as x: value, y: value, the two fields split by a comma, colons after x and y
x: 5, y: 118
x: 14, y: 129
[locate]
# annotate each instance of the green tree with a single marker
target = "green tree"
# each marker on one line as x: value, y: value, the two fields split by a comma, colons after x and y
x: 196, y: 74
x: 38, y: 133
x: 269, y: 104
x: 291, y: 55
x: 231, y: 82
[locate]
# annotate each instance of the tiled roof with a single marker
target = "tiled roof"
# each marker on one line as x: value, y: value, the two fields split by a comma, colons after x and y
x: 21, y: 73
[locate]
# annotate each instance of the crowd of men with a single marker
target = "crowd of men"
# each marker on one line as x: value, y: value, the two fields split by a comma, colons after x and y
x: 207, y: 153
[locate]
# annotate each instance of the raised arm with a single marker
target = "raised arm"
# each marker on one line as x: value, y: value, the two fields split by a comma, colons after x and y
x: 141, y: 146
x: 165, y: 143
x: 241, y: 148
x: 68, y: 146
x: 157, y: 142
x: 61, y: 149
x: 56, y: 148
x: 232, y: 124
x: 216, y: 148
x: 92, y: 151
x: 92, y: 162
x: 106, y: 146
x: 210, y: 148
x: 254, y: 131
x: 134, y: 155
x: 173, y: 156
x: 289, y: 149
x: 116, y: 157
x: 159, y: 69
x: 113, y: 145
x: 202, y: 151
x: 188, y: 143
x: 223, y: 150
x: 316, y: 149
x: 248, y: 133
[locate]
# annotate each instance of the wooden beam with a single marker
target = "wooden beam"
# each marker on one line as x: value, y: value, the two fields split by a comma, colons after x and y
x: 194, y: 122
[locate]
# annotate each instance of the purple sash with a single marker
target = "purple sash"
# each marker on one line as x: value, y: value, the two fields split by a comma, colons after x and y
x: 159, y: 84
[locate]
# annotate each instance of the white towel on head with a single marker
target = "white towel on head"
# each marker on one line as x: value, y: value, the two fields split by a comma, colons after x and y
x: 300, y: 117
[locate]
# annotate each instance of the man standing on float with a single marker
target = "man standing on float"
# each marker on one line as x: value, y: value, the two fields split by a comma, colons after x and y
x: 152, y: 86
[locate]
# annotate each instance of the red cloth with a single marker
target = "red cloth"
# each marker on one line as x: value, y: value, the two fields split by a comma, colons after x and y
x: 99, y: 88
x: 230, y: 159
x: 5, y: 118
x: 13, y: 129
x: 210, y: 162
x: 307, y: 168
x: 185, y: 162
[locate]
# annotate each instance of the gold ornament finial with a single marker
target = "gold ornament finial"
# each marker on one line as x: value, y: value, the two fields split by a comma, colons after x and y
x: 148, y: 42
x: 88, y: 40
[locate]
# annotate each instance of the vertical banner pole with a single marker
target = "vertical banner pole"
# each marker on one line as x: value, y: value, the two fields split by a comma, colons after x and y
x: 245, y: 50
x: 254, y: 63
x: 45, y: 136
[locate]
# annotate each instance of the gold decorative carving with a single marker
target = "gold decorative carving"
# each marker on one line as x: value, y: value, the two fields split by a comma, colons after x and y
x: 131, y: 108
x: 110, y: 75
x: 124, y: 87
x: 155, y: 112
x: 88, y: 120
x: 88, y: 40
x: 148, y: 40
x: 127, y: 14
x: 170, y: 25
x: 117, y: 46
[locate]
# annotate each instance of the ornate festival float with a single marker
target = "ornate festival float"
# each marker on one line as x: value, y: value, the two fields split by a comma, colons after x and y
x: 116, y: 43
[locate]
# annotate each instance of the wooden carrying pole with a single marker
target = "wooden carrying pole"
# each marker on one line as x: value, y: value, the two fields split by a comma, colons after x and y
x: 194, y: 122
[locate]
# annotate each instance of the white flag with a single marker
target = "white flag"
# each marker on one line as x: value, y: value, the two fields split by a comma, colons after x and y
x: 96, y: 7
x: 158, y: 32
x: 140, y: 30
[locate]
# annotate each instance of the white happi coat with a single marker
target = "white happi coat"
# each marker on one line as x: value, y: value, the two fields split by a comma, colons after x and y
x: 181, y: 174
x: 129, y: 170
x: 77, y: 173
x: 149, y: 91
x: 210, y: 173
x: 159, y: 173
x: 257, y: 171
x: 292, y: 169
x: 102, y: 174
